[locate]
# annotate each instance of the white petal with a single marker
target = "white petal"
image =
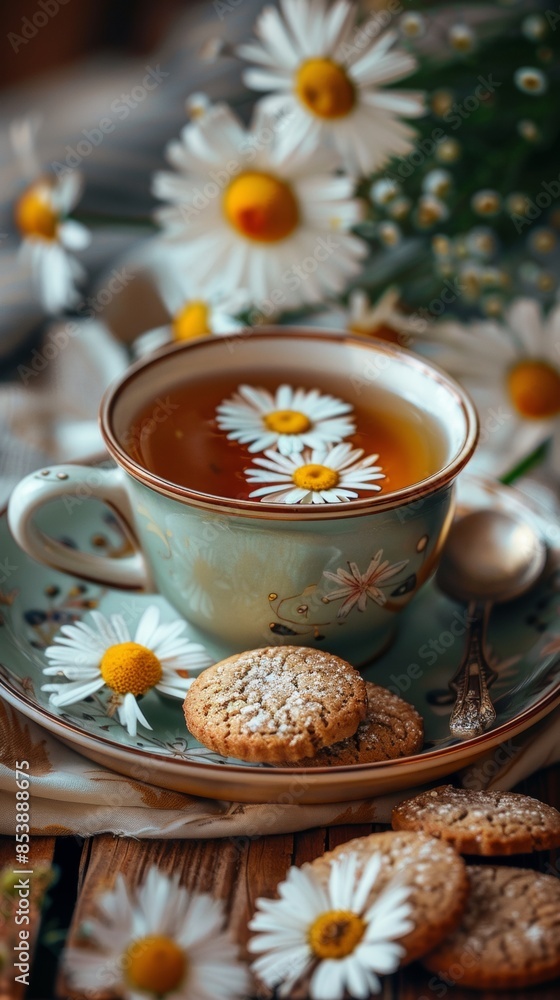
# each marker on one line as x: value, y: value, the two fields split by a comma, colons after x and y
x: 147, y: 626
x: 73, y: 692
x: 104, y: 627
x: 328, y: 981
x: 67, y: 191
x: 525, y: 319
x: 341, y: 881
x: 130, y: 715
x: 73, y: 235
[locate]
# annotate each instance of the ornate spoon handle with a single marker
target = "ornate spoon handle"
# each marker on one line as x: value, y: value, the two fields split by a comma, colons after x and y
x: 473, y: 711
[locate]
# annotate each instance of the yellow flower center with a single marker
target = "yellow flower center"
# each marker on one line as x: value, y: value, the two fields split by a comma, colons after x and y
x: 531, y: 81
x: 155, y: 964
x: 534, y: 387
x: 315, y: 477
x: 325, y: 88
x: 129, y: 667
x: 34, y: 214
x: 287, y: 422
x: 261, y: 207
x: 193, y: 320
x: 336, y: 933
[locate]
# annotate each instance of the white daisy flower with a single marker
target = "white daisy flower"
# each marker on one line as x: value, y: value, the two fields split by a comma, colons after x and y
x: 441, y: 101
x: 429, y: 211
x: 482, y: 242
x: 290, y: 419
x: 318, y: 476
x: 389, y: 234
x: 382, y: 319
x: 384, y: 191
x: 333, y: 89
x: 542, y: 240
x: 437, y: 182
x: 486, y: 202
x: 331, y: 935
x: 160, y: 942
x: 512, y: 370
x: 354, y: 588
x: 48, y: 235
x: 197, y: 104
x: 448, y: 151
x: 461, y: 38
x: 399, y: 207
x: 412, y: 24
x: 528, y: 130
x: 91, y: 657
x: 273, y: 222
x: 534, y: 27
x: 191, y: 314
x: 530, y: 80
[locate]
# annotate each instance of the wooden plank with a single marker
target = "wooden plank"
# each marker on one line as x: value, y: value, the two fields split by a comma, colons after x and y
x: 14, y: 907
x: 337, y: 835
x: 309, y: 844
x: 267, y: 862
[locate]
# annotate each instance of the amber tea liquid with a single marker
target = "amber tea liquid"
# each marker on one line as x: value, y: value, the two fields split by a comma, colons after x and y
x: 187, y: 447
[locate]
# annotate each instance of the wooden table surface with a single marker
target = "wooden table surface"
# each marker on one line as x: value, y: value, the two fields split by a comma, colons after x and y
x: 235, y: 870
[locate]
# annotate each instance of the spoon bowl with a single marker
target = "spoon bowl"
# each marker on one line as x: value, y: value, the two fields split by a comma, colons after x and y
x: 489, y: 558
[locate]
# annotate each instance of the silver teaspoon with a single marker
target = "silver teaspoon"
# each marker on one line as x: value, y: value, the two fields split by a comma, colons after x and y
x: 489, y: 558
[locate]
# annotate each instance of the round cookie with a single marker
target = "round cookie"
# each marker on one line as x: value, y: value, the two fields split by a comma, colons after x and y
x: 392, y: 728
x: 435, y: 872
x: 275, y: 705
x: 508, y: 937
x: 481, y: 822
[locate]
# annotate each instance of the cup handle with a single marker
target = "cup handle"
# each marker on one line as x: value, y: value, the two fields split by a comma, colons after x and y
x: 76, y: 483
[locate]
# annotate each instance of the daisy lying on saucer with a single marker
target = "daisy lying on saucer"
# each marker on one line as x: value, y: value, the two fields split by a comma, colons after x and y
x: 104, y: 655
x: 329, y: 933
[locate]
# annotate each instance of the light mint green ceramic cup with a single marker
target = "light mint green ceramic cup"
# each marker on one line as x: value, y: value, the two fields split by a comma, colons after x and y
x: 246, y: 573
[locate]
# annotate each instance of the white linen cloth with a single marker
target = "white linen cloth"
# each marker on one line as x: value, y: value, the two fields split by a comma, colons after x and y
x: 70, y: 794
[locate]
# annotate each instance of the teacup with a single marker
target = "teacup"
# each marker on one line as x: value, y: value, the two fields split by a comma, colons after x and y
x: 247, y: 573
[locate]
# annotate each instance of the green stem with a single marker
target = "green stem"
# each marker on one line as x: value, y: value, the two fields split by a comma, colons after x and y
x: 526, y: 464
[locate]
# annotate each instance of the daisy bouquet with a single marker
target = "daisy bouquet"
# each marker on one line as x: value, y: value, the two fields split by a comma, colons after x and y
x: 384, y: 180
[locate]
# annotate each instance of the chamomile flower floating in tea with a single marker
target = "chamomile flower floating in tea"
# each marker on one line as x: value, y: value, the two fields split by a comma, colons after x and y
x: 328, y: 934
x: 318, y: 476
x: 332, y: 90
x: 48, y: 235
x: 265, y: 224
x: 103, y: 655
x: 159, y: 941
x: 290, y: 419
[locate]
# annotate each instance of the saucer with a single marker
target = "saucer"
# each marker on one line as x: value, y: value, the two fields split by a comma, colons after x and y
x: 36, y: 600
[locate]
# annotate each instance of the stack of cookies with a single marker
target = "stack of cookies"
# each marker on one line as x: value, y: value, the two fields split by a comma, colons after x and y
x: 480, y: 926
x: 294, y: 706
x: 508, y: 936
